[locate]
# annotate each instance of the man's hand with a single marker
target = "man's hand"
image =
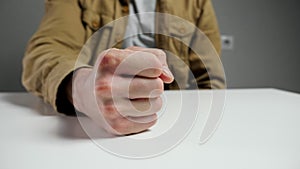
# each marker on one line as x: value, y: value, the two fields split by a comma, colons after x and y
x: 122, y: 92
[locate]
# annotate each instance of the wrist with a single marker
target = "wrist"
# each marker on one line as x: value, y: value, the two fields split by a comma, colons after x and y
x: 78, y: 86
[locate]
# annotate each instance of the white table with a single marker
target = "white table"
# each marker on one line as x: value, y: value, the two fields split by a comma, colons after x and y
x: 260, y: 129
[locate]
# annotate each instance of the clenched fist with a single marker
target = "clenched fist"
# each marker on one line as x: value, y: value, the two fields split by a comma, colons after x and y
x: 122, y: 91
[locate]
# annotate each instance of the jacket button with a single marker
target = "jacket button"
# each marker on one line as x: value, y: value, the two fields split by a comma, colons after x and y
x: 125, y: 9
x: 95, y: 24
x: 182, y: 30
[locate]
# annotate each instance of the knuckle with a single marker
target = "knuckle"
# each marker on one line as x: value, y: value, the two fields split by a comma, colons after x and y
x: 103, y: 87
x: 161, y: 53
x: 105, y: 60
x: 109, y: 112
x: 110, y: 60
x: 157, y: 104
x: 153, y: 60
x: 117, y: 129
x: 112, y: 51
x: 121, y: 126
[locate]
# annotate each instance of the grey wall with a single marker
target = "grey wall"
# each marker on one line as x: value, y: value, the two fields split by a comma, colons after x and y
x: 266, y: 42
x: 265, y: 49
x: 19, y: 20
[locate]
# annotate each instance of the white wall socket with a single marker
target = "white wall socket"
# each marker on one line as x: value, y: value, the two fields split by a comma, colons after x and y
x: 227, y: 42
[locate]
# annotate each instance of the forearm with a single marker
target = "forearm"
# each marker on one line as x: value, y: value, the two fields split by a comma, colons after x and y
x: 52, y: 52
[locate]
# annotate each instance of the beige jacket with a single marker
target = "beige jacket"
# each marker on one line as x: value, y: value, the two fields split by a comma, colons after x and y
x: 67, y: 25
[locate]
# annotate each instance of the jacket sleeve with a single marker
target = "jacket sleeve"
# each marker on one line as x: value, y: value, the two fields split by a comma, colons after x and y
x: 209, y: 25
x: 53, y: 50
x: 208, y: 70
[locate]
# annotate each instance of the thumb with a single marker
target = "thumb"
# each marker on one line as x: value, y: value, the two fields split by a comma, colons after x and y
x: 166, y: 76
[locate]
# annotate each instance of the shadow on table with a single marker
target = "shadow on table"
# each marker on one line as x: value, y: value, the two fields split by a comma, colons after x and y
x: 30, y: 101
x: 68, y: 127
x: 81, y: 127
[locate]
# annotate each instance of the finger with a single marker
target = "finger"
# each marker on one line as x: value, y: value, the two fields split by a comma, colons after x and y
x: 145, y: 88
x: 117, y: 107
x: 128, y: 62
x: 166, y: 75
x: 138, y: 107
x: 137, y: 87
x: 124, y: 126
x: 127, y: 87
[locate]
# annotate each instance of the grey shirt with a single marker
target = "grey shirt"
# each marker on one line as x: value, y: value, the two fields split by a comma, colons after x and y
x: 137, y: 24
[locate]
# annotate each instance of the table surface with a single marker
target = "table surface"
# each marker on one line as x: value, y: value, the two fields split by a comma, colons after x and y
x: 260, y: 128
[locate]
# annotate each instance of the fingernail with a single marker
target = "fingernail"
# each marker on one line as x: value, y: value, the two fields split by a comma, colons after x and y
x: 167, y: 72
